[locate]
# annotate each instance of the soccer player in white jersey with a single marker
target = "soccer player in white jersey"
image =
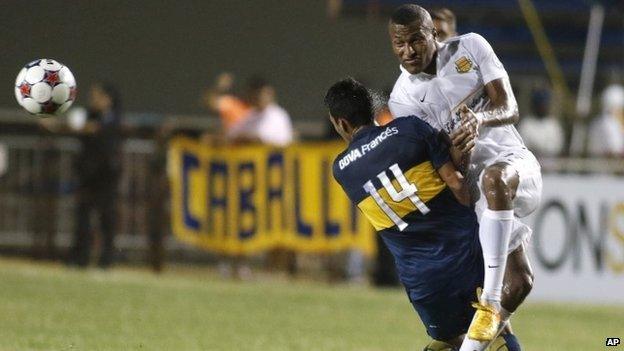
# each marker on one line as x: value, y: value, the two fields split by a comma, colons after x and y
x: 461, y: 88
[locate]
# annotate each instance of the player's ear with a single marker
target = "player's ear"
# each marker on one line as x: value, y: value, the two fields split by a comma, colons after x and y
x: 434, y: 32
x: 344, y: 125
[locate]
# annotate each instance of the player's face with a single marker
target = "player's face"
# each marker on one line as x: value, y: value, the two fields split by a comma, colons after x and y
x: 414, y: 45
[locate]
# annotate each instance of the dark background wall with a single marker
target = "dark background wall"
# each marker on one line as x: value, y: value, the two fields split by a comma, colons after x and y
x: 161, y: 53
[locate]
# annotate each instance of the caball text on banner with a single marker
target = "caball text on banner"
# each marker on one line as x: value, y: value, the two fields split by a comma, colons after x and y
x: 246, y: 199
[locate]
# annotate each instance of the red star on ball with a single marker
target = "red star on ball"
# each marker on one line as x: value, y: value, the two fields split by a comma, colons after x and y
x: 24, y: 89
x: 52, y: 78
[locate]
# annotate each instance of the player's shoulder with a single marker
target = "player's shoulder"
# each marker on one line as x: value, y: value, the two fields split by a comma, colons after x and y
x: 467, y: 38
x: 336, y: 166
x: 469, y: 41
x: 412, y: 124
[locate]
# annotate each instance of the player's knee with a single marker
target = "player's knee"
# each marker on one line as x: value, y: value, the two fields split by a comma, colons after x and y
x: 494, y: 183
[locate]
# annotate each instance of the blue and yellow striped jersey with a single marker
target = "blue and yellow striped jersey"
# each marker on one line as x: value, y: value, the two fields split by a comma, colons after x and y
x: 390, y: 172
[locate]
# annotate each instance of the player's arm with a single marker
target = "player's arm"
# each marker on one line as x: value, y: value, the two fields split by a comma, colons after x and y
x: 456, y: 182
x: 459, y: 148
x: 443, y: 158
x: 502, y: 110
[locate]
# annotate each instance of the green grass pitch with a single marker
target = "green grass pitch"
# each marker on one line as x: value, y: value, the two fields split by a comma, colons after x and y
x: 48, y: 307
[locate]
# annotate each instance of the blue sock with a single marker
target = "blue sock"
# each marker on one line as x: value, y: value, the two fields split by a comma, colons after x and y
x: 511, y: 342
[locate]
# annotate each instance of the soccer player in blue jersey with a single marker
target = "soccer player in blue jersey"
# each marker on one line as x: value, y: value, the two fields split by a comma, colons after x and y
x: 404, y: 180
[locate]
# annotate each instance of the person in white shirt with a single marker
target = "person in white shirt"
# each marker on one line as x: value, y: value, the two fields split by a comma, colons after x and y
x: 541, y: 131
x: 462, y: 89
x: 267, y: 123
x: 606, y: 135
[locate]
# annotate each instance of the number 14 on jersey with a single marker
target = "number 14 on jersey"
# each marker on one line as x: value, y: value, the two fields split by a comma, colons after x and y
x: 408, y: 191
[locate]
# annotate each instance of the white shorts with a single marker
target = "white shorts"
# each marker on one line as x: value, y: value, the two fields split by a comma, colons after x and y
x: 528, y: 194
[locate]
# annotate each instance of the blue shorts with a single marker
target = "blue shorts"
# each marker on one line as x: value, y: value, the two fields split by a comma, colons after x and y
x: 448, y: 313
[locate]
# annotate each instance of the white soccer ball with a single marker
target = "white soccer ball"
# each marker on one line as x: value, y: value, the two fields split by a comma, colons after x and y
x: 45, y: 87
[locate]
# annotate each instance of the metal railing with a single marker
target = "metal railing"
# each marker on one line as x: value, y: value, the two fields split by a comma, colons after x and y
x: 38, y: 190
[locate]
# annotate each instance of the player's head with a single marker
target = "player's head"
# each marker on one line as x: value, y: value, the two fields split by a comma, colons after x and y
x: 350, y: 107
x: 445, y: 23
x: 413, y: 37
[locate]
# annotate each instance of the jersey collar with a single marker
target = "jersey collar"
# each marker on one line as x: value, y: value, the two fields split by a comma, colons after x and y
x: 422, y: 76
x: 362, y: 132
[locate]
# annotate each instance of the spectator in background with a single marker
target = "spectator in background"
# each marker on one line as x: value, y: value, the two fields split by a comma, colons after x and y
x: 542, y: 132
x: 606, y: 134
x: 220, y: 99
x: 267, y: 123
x: 98, y: 171
x: 445, y: 23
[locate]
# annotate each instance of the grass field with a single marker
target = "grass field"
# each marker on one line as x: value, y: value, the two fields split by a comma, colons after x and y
x: 48, y: 307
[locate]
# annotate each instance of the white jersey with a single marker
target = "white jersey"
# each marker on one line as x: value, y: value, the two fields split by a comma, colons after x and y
x: 465, y: 64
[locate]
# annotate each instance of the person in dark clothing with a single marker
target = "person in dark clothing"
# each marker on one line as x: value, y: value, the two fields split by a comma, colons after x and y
x: 158, y: 183
x: 98, y: 170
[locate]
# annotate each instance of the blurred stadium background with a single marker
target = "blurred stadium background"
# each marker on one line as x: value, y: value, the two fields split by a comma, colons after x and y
x: 254, y: 249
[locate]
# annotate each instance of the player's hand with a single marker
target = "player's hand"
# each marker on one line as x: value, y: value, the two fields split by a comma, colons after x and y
x: 469, y: 120
x: 463, y: 140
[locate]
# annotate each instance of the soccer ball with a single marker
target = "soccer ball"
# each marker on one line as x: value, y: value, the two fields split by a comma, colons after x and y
x: 45, y: 87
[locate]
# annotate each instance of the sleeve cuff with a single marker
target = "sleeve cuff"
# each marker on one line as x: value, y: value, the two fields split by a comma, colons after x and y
x: 488, y: 77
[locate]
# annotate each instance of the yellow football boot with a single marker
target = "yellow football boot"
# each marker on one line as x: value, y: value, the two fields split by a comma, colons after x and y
x: 484, y: 326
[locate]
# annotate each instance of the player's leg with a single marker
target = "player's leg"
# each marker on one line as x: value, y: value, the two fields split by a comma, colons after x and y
x: 505, y: 342
x: 518, y: 279
x: 519, y: 275
x: 517, y: 285
x: 449, y: 314
x: 446, y: 317
x: 499, y: 184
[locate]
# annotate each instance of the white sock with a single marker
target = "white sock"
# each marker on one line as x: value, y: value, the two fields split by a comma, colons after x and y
x: 494, y: 232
